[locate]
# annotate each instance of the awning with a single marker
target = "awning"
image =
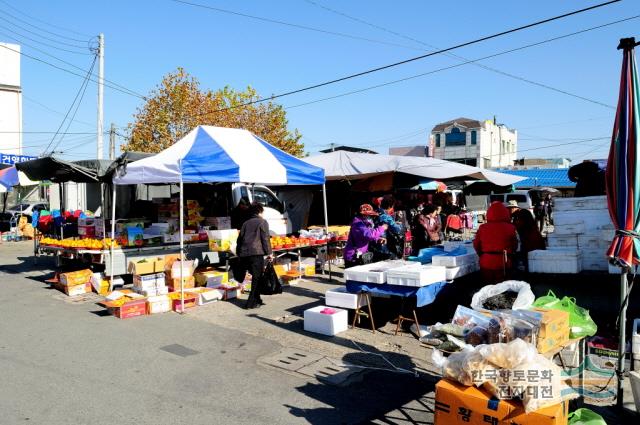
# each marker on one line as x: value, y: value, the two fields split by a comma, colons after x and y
x: 339, y: 165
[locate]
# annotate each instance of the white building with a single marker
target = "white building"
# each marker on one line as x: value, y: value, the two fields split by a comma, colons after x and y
x: 484, y: 144
x: 10, y: 100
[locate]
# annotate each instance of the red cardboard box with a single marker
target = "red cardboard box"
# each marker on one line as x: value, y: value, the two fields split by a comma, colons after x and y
x: 190, y: 301
x: 129, y: 309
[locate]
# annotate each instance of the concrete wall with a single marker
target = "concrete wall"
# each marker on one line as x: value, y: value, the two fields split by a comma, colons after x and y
x: 10, y: 100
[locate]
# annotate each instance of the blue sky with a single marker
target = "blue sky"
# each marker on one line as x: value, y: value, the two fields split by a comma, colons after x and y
x: 147, y: 39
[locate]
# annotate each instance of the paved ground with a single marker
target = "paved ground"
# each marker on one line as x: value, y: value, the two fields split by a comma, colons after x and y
x: 65, y: 362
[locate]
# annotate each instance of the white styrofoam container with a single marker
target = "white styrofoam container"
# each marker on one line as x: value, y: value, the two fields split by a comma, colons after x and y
x: 208, y: 297
x: 584, y: 203
x: 568, y: 229
x: 325, y: 324
x: 416, y: 276
x: 607, y: 235
x: 555, y: 261
x: 635, y: 338
x: 454, y: 260
x: 598, y: 263
x: 592, y: 219
x: 456, y: 272
x: 375, y: 272
x: 555, y: 240
x: 592, y: 241
x: 339, y: 297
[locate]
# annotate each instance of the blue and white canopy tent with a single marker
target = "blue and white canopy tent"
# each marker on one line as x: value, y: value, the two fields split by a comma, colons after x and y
x: 210, y: 154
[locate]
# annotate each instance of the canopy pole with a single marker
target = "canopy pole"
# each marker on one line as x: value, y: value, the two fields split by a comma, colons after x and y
x: 622, y: 341
x: 113, y: 231
x: 326, y: 227
x: 181, y: 239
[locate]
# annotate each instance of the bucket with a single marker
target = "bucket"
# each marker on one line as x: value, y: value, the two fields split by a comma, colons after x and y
x: 634, y: 377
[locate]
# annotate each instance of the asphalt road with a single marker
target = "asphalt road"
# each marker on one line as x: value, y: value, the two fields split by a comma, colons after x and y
x: 66, y: 363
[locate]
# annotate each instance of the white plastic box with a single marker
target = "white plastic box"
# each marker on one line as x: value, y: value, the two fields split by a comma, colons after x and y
x: 453, y: 245
x: 594, y: 259
x: 456, y: 272
x: 555, y: 261
x: 592, y: 241
x: 556, y: 240
x: 325, y: 324
x: 339, y: 297
x: 375, y: 272
x: 454, y: 260
x: 416, y: 276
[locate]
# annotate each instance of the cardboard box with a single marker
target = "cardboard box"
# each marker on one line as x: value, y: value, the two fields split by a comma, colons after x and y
x: 206, y: 295
x: 227, y: 293
x: 87, y: 231
x: 190, y: 301
x: 135, y: 236
x: 457, y: 404
x: 282, y: 269
x: 86, y: 221
x: 144, y: 266
x: 74, y: 290
x: 130, y: 309
x: 211, y: 278
x: 186, y: 269
x: 158, y: 304
x: 79, y: 277
x: 187, y: 282
x: 554, y: 329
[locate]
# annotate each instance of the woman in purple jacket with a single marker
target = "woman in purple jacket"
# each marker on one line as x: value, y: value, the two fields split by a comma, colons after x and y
x: 361, y: 233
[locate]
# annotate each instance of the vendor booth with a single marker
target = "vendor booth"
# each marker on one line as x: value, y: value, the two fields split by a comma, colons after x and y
x: 210, y: 154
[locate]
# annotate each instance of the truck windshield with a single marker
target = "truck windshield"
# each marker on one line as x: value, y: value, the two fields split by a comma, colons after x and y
x: 266, y: 199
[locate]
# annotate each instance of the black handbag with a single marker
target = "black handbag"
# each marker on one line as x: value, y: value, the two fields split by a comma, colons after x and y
x: 269, y: 281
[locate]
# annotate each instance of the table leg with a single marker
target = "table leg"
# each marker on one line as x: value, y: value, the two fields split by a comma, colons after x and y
x: 373, y: 325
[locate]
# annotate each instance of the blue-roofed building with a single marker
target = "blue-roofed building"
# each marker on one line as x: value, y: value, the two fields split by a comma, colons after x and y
x: 542, y: 177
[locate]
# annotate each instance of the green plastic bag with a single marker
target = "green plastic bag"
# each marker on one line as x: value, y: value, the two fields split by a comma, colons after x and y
x: 580, y: 322
x: 585, y: 417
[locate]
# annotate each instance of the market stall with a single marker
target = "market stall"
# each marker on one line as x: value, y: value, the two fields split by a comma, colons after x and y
x: 210, y: 154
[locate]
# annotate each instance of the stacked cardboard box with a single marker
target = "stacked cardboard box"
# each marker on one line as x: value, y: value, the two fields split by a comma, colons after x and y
x: 148, y: 276
x: 75, y: 283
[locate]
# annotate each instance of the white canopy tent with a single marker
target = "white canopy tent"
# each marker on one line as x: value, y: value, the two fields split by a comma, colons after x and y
x: 210, y: 154
x: 339, y: 165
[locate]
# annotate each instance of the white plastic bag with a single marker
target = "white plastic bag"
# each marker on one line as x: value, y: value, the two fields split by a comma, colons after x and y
x: 510, y: 355
x: 524, y: 300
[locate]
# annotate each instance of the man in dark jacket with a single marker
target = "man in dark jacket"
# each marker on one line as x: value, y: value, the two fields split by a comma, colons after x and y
x: 253, y: 245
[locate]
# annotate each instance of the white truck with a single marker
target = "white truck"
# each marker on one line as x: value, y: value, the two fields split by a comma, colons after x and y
x: 275, y: 211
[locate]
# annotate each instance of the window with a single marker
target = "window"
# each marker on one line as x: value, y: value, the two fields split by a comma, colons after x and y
x: 456, y: 137
x: 473, y: 137
x: 438, y: 140
x: 266, y: 199
x: 517, y: 198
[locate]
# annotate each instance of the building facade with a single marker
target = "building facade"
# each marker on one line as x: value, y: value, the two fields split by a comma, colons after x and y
x: 484, y: 144
x: 10, y: 100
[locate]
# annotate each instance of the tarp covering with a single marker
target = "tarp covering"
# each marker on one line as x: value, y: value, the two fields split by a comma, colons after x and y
x: 339, y: 165
x: 10, y: 177
x: 60, y: 171
x: 218, y: 154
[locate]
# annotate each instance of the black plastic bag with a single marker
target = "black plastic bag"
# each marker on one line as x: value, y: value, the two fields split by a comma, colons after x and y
x: 270, y: 282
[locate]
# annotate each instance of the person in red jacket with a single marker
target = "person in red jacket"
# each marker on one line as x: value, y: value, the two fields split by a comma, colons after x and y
x: 495, y: 243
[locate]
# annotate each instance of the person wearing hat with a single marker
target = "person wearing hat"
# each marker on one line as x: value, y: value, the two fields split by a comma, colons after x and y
x: 513, y: 208
x: 362, y: 232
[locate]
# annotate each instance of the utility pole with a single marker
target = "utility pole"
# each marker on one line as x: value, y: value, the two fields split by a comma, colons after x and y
x: 112, y: 142
x: 100, y: 149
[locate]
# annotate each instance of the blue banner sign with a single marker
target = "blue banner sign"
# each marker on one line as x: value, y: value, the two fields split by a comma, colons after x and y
x: 14, y: 159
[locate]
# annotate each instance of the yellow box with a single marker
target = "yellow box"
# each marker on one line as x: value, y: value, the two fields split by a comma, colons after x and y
x: 146, y: 265
x: 554, y: 329
x: 281, y: 269
x: 211, y: 277
x: 76, y: 278
x: 458, y: 404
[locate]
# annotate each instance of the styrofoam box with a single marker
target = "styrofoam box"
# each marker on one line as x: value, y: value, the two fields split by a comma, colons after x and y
x: 594, y: 262
x: 340, y: 297
x: 592, y: 241
x: 456, y: 272
x: 568, y: 229
x: 555, y: 240
x: 635, y: 338
x: 607, y: 235
x: 591, y: 218
x: 375, y: 272
x: 555, y: 261
x: 584, y: 203
x: 325, y: 324
x: 454, y: 260
x: 416, y: 276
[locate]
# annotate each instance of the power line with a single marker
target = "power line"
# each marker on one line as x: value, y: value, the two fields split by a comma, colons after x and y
x: 111, y: 84
x: 42, y: 29
x: 465, y: 63
x: 416, y: 58
x: 43, y: 21
x: 452, y: 55
x: 86, y: 83
x: 19, y: 34
x: 29, y: 99
x: 298, y: 26
x: 81, y: 90
x: 41, y: 132
x: 64, y: 43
